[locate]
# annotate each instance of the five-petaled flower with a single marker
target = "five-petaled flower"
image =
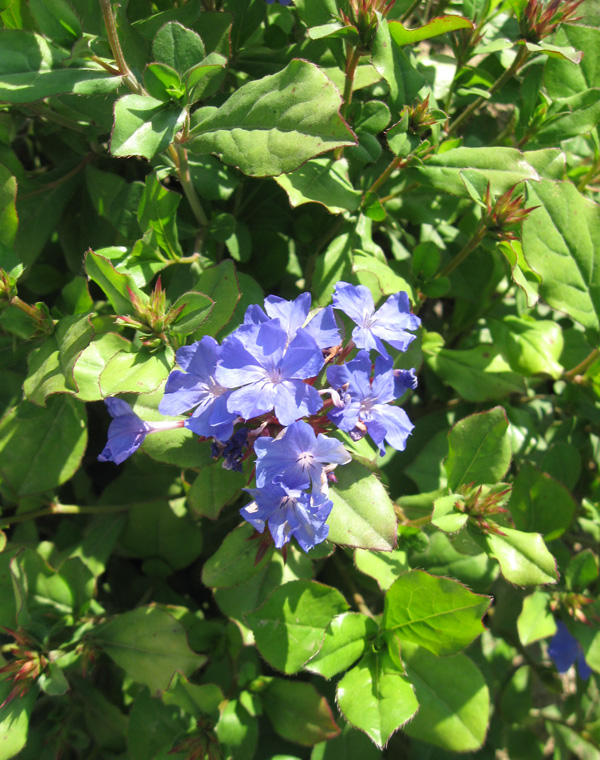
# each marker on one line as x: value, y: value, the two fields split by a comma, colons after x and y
x: 389, y: 323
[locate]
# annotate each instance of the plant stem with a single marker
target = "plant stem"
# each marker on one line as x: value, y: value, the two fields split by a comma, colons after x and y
x: 471, y: 110
x: 63, y: 509
x: 581, y: 368
x: 353, y: 57
x: 179, y: 155
x: 395, y: 163
x: 115, y: 46
x: 462, y: 255
x: 408, y: 13
x: 65, y: 178
x: 47, y: 113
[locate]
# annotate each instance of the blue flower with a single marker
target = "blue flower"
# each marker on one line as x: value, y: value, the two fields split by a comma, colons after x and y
x: 197, y: 387
x: 298, y: 458
x: 127, y: 431
x: 292, y: 315
x: 363, y: 406
x: 281, y: 2
x: 231, y: 450
x: 565, y: 650
x: 390, y: 322
x: 289, y: 512
x: 271, y: 372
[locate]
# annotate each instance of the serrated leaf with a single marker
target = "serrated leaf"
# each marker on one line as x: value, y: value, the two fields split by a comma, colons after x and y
x: 178, y: 47
x: 376, y: 697
x: 384, y: 567
x: 479, y: 449
x: 523, y: 557
x: 439, y: 614
x: 144, y: 126
x: 273, y: 125
x: 363, y: 515
x: 289, y: 627
x: 150, y: 645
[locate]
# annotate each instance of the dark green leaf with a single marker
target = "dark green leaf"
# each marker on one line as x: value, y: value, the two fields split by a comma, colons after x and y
x: 178, y: 47
x: 540, y: 503
x: 235, y: 560
x: 298, y: 712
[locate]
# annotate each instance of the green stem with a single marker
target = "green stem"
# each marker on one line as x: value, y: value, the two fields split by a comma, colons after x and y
x: 179, y: 155
x: 471, y: 110
x: 63, y: 509
x: 115, y: 46
x: 408, y: 13
x: 462, y: 255
x: 353, y: 57
x: 581, y: 368
x: 396, y: 163
x: 589, y: 176
x: 47, y: 113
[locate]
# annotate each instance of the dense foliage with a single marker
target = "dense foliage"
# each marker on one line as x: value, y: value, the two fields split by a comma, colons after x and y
x: 342, y: 254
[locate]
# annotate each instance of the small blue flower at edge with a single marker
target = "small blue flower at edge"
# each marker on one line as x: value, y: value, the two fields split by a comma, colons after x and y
x: 127, y: 431
x: 565, y: 650
x: 389, y: 323
x: 281, y: 2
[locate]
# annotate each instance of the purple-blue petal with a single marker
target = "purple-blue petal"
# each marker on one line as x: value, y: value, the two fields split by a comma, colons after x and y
x: 355, y: 301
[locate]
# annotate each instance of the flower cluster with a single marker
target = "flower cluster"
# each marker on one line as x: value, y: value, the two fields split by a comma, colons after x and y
x: 263, y: 379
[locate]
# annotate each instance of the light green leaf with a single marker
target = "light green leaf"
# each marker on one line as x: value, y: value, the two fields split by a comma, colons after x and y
x: 477, y: 374
x: 162, y: 82
x: 453, y: 697
x: 376, y: 698
x: 8, y: 212
x: 363, y: 515
x: 531, y: 346
x: 521, y: 273
x: 289, y: 627
x: 144, y: 126
x: 115, y: 284
x: 157, y: 211
x: 439, y: 25
x: 31, y: 68
x: 273, y: 125
x: 41, y: 447
x: 177, y: 47
x: 324, y: 181
x: 563, y: 78
x: 439, y: 614
x: 503, y: 167
x: 446, y: 516
x: 479, y: 449
x: 136, y: 371
x: 535, y: 620
x: 90, y: 363
x: 559, y: 242
x: 582, y: 571
x: 14, y: 719
x: 394, y: 66
x: 332, y: 266
x: 298, y: 712
x: 523, y: 557
x: 384, y: 567
x: 150, y: 646
x: 221, y: 284
x: 346, y: 639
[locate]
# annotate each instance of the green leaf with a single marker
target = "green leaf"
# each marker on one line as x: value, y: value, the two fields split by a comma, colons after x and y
x: 214, y: 488
x: 331, y: 267
x: 573, y: 116
x: 324, y: 181
x: 157, y: 211
x: 153, y: 727
x: 41, y: 447
x: 298, y: 712
x: 582, y: 571
x: 503, y: 167
x: 535, y: 620
x: 393, y: 64
x: 136, y: 371
x: 237, y: 731
x: 446, y: 515
x: 8, y: 212
x: 289, y: 627
x: 520, y: 271
x: 559, y: 240
x: 178, y: 47
x: 221, y: 284
x: 540, y: 503
x: 363, y: 514
x: 14, y: 719
x: 563, y: 78
x: 162, y: 82
x: 144, y: 126
x: 53, y: 681
x: 195, y: 699
x: 476, y: 374
x: 376, y: 698
x: 162, y: 530
x: 523, y: 557
x: 91, y: 362
x: 439, y: 614
x: 453, y: 697
x: 51, y: 365
x: 115, y: 284
x: 349, y: 745
x: 273, y: 125
x: 346, y: 639
x: 384, y: 567
x: 531, y: 346
x: 234, y: 562
x: 479, y: 449
x: 439, y: 25
x: 150, y: 646
x: 31, y: 68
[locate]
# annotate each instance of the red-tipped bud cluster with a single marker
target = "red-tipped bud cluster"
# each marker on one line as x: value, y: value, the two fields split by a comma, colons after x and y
x: 481, y: 502
x: 541, y: 19
x: 420, y: 118
x: 362, y: 16
x: 504, y: 215
x: 25, y: 667
x: 8, y: 288
x: 152, y: 316
x: 574, y: 605
x: 202, y: 745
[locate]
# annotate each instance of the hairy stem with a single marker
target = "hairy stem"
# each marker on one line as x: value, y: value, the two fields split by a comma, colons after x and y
x: 115, y: 46
x: 63, y: 509
x: 353, y: 57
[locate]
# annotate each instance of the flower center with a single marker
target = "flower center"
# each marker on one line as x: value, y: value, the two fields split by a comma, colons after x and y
x: 305, y: 460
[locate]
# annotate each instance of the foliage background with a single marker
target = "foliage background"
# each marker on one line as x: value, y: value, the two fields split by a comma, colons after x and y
x: 216, y: 144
